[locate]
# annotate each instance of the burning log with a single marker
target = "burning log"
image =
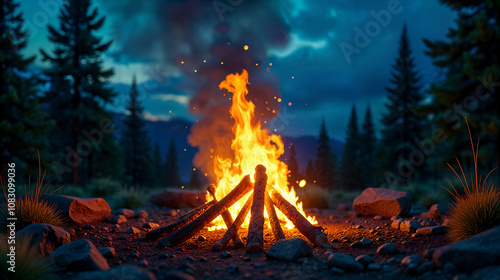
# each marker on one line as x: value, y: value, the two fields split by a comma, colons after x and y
x: 233, y: 229
x: 273, y: 218
x: 208, y: 216
x: 255, y: 242
x: 185, y: 219
x: 311, y: 232
x: 228, y: 220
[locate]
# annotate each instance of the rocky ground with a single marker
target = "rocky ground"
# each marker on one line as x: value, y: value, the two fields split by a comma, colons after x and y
x: 194, y: 258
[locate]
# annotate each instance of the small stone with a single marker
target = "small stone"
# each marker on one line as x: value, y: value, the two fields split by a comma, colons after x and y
x: 415, y: 260
x: 233, y: 269
x: 202, y: 238
x: 409, y: 226
x: 416, y: 234
x: 378, y: 217
x: 125, y: 212
x: 258, y: 265
x: 247, y: 259
x: 108, y: 252
x: 89, y: 227
x: 387, y: 268
x: 344, y: 261
x: 343, y: 207
x: 133, y: 230
x: 172, y: 213
x: 374, y: 266
x: 202, y: 259
x: 379, y: 239
x: 134, y: 255
x: 407, y: 242
x: 150, y: 226
x: 359, y: 227
x: 327, y: 246
x: 396, y: 223
x: 336, y: 271
x: 393, y: 218
x: 450, y: 268
x: 290, y: 249
x: 365, y: 242
x: 427, y: 223
x: 225, y: 255
x: 108, y: 238
x: 143, y: 263
x: 433, y: 230
x: 388, y: 249
x: 352, y: 214
x: 141, y: 214
x: 365, y: 260
x: 119, y: 219
x: 162, y: 256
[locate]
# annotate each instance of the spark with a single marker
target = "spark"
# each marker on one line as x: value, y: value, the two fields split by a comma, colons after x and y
x: 302, y: 183
x: 245, y: 47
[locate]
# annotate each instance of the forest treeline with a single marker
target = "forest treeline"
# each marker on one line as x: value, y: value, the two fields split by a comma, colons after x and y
x: 62, y: 113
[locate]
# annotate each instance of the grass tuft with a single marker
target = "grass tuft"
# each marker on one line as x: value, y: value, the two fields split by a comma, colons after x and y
x: 477, y: 208
x: 30, y: 265
x: 30, y: 208
x: 128, y: 198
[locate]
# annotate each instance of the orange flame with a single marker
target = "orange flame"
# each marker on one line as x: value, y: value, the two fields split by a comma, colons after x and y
x: 251, y: 146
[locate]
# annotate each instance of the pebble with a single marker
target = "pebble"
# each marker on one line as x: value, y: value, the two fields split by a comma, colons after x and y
x: 173, y: 213
x: 388, y: 249
x: 433, y: 230
x: 352, y: 214
x: 416, y: 234
x: 258, y: 265
x: 202, y: 238
x: 327, y: 246
x: 89, y: 227
x: 374, y: 266
x: 407, y: 242
x: 232, y: 269
x: 119, y: 219
x: 378, y: 218
x: 108, y: 238
x: 150, y: 226
x: 180, y: 249
x: 141, y: 214
x: 143, y: 263
x: 359, y: 227
x: 134, y: 255
x: 414, y: 260
x: 365, y: 260
x: 365, y: 242
x: 387, y: 268
x: 202, y: 259
x: 428, y: 253
x: 450, y: 268
x: 426, y: 266
x: 336, y: 271
x: 396, y: 223
x: 225, y: 255
x: 409, y: 226
x: 344, y: 261
x: 133, y: 230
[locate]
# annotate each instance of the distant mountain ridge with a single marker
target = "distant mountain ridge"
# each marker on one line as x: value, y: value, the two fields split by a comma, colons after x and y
x: 162, y: 131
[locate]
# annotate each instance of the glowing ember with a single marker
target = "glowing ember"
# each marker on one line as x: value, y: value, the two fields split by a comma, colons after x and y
x: 302, y: 183
x: 251, y: 146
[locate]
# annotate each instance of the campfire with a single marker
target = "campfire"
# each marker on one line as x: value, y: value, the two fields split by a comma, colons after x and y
x: 256, y: 166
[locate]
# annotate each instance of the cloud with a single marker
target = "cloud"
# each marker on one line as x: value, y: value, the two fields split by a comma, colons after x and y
x: 158, y: 117
x: 182, y: 99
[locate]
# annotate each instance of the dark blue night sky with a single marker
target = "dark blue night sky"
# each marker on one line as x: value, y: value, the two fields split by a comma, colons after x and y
x: 164, y: 42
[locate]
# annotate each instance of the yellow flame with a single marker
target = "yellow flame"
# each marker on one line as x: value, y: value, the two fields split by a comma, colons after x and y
x: 251, y: 146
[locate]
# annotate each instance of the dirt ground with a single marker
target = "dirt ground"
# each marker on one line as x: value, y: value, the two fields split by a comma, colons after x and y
x: 342, y: 231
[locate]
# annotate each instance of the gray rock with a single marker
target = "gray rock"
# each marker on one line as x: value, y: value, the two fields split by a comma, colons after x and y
x: 382, y: 202
x: 290, y: 250
x: 365, y: 260
x: 46, y: 238
x: 225, y: 255
x: 472, y: 253
x: 344, y: 262
x: 437, y: 212
x: 129, y: 213
x: 233, y: 269
x: 336, y: 271
x: 108, y: 252
x: 427, y: 223
x: 79, y: 255
x: 387, y: 268
x: 119, y: 219
x: 414, y: 260
x: 409, y: 226
x: 259, y: 265
x: 487, y: 273
x: 435, y: 230
x: 425, y: 267
x: 450, y: 268
x: 120, y: 272
x: 365, y: 242
x: 141, y: 214
x: 374, y: 266
x: 388, y: 249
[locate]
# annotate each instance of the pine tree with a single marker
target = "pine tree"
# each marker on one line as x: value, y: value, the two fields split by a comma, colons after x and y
x: 324, y: 165
x: 172, y: 177
x: 158, y: 164
x: 24, y: 122
x: 401, y: 125
x: 135, y: 140
x: 310, y: 172
x: 350, y: 171
x: 471, y: 62
x: 77, y: 76
x: 293, y: 166
x: 195, y: 181
x: 367, y: 145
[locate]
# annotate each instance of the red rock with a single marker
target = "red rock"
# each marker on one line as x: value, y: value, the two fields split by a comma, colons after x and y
x: 80, y: 211
x: 382, y: 202
x: 174, y: 198
x: 46, y: 238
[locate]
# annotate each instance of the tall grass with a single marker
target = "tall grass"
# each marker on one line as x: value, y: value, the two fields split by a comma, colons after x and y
x: 478, y: 208
x: 29, y: 264
x: 30, y: 208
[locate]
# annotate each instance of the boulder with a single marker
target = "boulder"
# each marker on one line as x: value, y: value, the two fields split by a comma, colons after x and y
x: 79, y: 255
x: 175, y: 198
x: 290, y: 250
x: 486, y: 273
x: 120, y: 272
x: 46, y: 238
x: 382, y: 202
x: 80, y: 211
x: 475, y: 252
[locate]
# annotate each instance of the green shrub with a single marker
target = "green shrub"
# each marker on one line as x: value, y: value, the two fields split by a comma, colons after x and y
x: 103, y: 187
x: 73, y: 191
x: 128, y: 198
x: 425, y: 194
x: 30, y: 265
